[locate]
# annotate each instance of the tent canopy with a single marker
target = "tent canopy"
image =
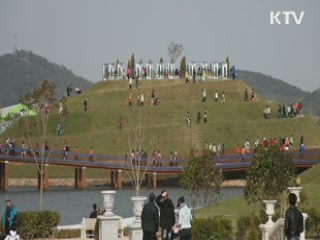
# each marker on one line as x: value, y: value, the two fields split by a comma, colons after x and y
x: 16, y: 109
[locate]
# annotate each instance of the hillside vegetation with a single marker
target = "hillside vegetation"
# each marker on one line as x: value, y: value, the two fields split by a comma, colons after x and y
x: 273, y: 88
x: 22, y: 71
x: 312, y: 103
x: 237, y: 206
x: 165, y: 126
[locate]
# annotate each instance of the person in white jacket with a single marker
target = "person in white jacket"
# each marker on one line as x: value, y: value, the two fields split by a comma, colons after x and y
x: 13, y: 235
x: 185, y: 218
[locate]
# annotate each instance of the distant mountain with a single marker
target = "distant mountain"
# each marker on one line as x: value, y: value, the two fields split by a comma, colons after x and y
x: 311, y: 103
x: 22, y: 71
x: 272, y: 88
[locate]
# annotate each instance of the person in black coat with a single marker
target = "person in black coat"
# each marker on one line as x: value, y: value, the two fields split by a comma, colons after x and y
x: 150, y: 219
x: 167, y: 217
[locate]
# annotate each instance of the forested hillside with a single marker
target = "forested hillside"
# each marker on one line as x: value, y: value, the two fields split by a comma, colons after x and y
x: 22, y: 71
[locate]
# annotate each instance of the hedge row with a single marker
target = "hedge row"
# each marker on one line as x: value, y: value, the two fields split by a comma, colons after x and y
x: 37, y: 224
x: 216, y: 228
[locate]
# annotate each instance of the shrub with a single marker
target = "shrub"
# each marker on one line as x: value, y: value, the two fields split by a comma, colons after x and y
x: 66, y: 233
x: 37, y: 224
x: 313, y: 223
x: 248, y: 226
x: 96, y: 230
x: 216, y: 228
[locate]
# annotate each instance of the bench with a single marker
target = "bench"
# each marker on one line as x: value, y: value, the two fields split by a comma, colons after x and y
x: 88, y: 227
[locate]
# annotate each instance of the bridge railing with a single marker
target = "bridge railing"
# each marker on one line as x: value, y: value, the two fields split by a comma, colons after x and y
x: 225, y: 162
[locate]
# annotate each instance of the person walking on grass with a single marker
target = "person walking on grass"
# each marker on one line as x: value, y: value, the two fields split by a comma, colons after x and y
x: 121, y: 122
x: 167, y: 217
x: 205, y: 116
x: 293, y: 220
x: 194, y: 74
x: 198, y: 117
x: 204, y: 95
x: 189, y: 118
x: 223, y: 100
x: 187, y: 77
x: 130, y: 100
x: 142, y: 99
x: 216, y: 97
x: 150, y: 219
x: 85, y: 104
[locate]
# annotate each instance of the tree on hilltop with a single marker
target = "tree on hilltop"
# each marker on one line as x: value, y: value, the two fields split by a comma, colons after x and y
x: 132, y: 65
x: 174, y: 51
x: 183, y: 66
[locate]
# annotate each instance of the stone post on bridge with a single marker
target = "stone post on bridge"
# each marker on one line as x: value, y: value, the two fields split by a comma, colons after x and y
x: 119, y: 185
x: 80, y: 178
x: 4, y: 176
x: 45, y: 178
x: 155, y: 180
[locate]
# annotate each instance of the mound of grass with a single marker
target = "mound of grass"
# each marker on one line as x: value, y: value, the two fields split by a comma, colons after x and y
x: 165, y: 126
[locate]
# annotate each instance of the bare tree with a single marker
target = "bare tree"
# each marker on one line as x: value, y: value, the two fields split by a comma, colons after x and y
x: 174, y: 51
x: 140, y: 143
x: 35, y: 129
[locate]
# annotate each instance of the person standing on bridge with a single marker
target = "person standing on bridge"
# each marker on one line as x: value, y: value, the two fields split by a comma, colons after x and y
x: 76, y: 153
x: 91, y: 154
x: 9, y: 216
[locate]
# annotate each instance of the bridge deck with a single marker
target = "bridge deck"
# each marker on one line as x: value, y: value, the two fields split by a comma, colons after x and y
x: 226, y: 163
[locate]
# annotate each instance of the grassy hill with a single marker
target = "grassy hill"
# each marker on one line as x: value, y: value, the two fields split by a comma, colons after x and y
x: 165, y: 125
x: 22, y: 71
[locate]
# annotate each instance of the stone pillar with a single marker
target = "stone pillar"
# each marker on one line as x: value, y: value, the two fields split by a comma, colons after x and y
x: 135, y: 232
x: 112, y: 179
x: 76, y: 178
x: 303, y: 234
x: 4, y: 176
x: 119, y: 178
x: 109, y: 227
x: 154, y: 180
x: 83, y: 180
x: 116, y: 183
x: 45, y: 178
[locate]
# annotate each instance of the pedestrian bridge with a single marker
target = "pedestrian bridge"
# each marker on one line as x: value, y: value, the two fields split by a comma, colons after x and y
x: 116, y: 165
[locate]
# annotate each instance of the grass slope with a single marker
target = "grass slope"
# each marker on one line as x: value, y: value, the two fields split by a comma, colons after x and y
x: 230, y: 123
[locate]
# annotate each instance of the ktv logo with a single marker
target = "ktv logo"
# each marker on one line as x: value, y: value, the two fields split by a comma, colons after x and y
x: 286, y: 17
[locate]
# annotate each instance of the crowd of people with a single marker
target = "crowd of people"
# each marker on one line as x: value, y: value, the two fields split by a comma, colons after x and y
x: 155, y: 100
x: 286, y: 144
x: 290, y: 110
x: 167, y: 224
x: 140, y: 158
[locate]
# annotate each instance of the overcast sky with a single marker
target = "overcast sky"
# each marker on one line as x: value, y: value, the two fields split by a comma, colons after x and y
x: 84, y: 34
